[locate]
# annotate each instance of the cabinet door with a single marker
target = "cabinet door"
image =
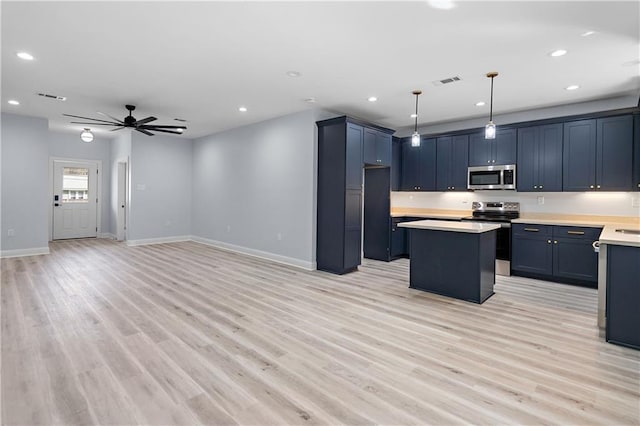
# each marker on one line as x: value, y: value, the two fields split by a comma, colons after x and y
x: 377, y: 213
x: 396, y: 164
x: 410, y: 164
x: 532, y: 254
x: 549, y: 158
x: 427, y: 166
x: 353, y: 172
x: 459, y: 162
x: 352, y: 229
x: 479, y: 150
x: 574, y: 258
x: 623, y: 295
x: 636, y: 153
x: 614, y: 155
x: 444, y: 160
x: 369, y: 155
x: 398, y: 239
x: 383, y: 149
x: 504, y: 147
x: 579, y: 156
x: 527, y: 169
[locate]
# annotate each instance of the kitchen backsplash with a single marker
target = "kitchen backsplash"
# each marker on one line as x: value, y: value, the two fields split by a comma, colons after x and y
x: 579, y: 203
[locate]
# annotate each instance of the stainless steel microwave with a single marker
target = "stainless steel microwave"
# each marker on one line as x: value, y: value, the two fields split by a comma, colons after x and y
x: 492, y: 177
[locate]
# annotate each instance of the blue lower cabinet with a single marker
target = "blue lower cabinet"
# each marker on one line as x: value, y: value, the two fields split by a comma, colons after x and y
x: 398, y: 239
x: 555, y: 253
x: 623, y: 296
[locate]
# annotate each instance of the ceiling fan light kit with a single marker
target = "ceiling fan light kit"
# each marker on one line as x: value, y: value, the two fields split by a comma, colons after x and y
x: 86, y: 135
x: 130, y: 122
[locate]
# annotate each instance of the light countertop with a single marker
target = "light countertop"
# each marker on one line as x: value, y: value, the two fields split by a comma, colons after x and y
x: 430, y: 215
x: 560, y: 222
x: 443, y: 225
x: 610, y: 236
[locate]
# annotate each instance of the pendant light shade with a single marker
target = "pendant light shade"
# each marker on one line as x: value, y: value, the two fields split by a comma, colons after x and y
x: 86, y: 135
x: 415, y: 138
x: 490, y: 128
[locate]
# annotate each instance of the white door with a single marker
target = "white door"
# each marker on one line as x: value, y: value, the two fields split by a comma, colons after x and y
x: 121, y: 218
x: 74, y: 200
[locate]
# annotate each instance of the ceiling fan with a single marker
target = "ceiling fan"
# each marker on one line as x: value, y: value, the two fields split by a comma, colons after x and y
x: 131, y: 122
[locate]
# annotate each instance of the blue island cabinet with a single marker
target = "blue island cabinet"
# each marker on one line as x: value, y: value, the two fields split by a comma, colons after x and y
x: 454, y: 259
x: 623, y: 295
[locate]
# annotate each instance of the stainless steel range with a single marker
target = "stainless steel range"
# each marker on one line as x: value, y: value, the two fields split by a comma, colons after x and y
x: 502, y: 212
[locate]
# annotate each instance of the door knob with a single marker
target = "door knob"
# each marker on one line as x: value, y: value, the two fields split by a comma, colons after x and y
x: 56, y: 205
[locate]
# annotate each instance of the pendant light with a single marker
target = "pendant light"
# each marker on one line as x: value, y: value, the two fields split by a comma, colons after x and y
x: 490, y: 128
x: 415, y: 138
x: 86, y: 135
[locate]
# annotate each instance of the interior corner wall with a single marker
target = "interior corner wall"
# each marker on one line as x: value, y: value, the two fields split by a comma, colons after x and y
x: 120, y: 153
x: 70, y: 146
x: 25, y: 177
x: 254, y: 188
x: 160, y: 188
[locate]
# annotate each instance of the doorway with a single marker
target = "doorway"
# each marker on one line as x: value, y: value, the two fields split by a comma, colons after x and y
x: 75, y: 199
x: 121, y: 216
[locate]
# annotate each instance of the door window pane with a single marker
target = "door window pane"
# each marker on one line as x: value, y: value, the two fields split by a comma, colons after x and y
x: 75, y: 185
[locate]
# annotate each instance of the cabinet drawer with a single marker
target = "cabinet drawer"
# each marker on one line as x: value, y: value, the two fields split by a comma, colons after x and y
x: 531, y: 229
x: 586, y: 233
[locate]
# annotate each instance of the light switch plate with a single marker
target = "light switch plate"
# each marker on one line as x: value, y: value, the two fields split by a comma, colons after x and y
x: 540, y: 200
x: 635, y: 201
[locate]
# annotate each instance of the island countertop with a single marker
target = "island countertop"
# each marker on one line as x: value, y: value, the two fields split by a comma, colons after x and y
x: 444, y: 225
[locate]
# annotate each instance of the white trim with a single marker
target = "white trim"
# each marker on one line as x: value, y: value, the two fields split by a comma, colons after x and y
x: 107, y: 235
x: 98, y: 165
x: 309, y: 266
x: 161, y: 240
x: 36, y: 251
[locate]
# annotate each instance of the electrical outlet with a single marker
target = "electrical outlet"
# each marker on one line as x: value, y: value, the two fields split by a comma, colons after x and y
x: 635, y: 201
x: 279, y: 236
x: 141, y: 187
x: 540, y: 200
x: 11, y: 233
x: 228, y: 228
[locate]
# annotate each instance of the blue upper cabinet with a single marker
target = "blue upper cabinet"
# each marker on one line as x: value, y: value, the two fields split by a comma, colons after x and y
x: 353, y: 167
x: 492, y: 152
x: 598, y: 154
x: 396, y: 163
x: 418, y: 165
x: 540, y: 158
x: 636, y: 153
x: 452, y: 159
x: 376, y: 148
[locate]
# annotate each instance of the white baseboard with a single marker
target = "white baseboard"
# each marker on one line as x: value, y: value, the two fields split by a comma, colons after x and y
x: 161, y: 240
x: 309, y: 266
x: 36, y: 251
x: 107, y: 235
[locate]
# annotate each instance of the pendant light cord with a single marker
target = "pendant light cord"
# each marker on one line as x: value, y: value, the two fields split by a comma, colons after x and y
x: 415, y: 129
x: 491, y: 105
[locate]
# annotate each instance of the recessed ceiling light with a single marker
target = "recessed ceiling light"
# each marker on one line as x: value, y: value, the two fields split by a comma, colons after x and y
x: 13, y: 102
x: 587, y: 33
x: 372, y: 99
x: 293, y: 74
x: 413, y: 115
x: 24, y: 55
x: 559, y: 52
x: 572, y: 87
x: 442, y: 4
x: 310, y: 100
x: 242, y: 109
x: 481, y: 103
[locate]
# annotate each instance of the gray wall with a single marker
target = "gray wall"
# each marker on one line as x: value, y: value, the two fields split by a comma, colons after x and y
x: 120, y: 153
x: 25, y: 179
x: 254, y: 188
x: 69, y: 146
x: 160, y: 190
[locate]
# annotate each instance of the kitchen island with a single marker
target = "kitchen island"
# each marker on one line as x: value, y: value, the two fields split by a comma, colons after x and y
x: 455, y: 259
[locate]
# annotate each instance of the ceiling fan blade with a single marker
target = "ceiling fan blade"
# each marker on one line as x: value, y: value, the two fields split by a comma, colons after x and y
x: 97, y: 124
x: 158, y: 126
x: 111, y: 117
x: 144, y: 121
x: 163, y: 131
x: 87, y: 118
x: 117, y: 128
x: 143, y: 131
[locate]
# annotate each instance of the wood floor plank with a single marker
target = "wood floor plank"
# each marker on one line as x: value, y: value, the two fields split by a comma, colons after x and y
x: 183, y: 333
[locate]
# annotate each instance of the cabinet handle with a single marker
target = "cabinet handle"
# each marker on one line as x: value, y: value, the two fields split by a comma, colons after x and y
x: 531, y: 229
x: 591, y: 186
x: 535, y: 186
x: 540, y: 186
x: 488, y: 161
x: 493, y: 161
x: 575, y: 232
x: 453, y: 187
x: 548, y: 241
x: 598, y: 186
x: 555, y: 242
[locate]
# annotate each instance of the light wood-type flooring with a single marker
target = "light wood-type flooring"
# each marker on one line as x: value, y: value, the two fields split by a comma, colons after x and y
x: 101, y: 333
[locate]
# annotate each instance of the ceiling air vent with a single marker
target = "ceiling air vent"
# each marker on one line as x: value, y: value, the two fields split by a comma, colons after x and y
x: 446, y: 81
x: 57, y: 98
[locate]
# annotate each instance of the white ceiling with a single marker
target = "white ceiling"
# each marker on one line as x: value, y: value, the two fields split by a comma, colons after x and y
x: 202, y: 60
